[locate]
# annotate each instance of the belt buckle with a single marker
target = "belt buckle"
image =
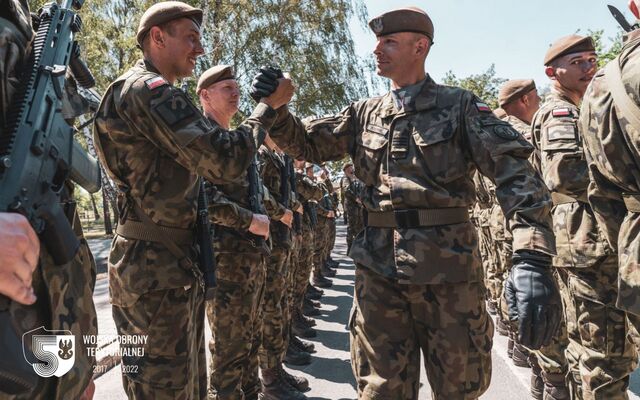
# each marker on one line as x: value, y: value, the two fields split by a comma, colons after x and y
x: 407, y: 219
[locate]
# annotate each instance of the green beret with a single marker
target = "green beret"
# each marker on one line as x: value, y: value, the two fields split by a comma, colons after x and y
x: 568, y: 45
x: 214, y: 75
x: 408, y: 19
x: 164, y: 12
x: 514, y: 89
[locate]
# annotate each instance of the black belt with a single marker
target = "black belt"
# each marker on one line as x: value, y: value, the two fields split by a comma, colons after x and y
x: 416, y: 218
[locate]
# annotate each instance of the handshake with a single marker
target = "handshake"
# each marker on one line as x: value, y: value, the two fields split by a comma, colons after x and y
x: 272, y: 87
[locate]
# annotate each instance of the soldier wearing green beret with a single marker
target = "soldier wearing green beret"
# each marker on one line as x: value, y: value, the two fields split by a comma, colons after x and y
x: 418, y: 285
x: 154, y: 143
x: 591, y: 353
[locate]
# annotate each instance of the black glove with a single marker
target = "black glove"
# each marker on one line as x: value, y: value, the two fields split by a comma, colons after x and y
x: 265, y: 82
x: 533, y: 298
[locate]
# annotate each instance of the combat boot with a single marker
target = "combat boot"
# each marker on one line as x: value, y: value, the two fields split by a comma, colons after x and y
x: 313, y: 289
x: 555, y: 387
x: 492, y: 309
x: 312, y: 295
x: 301, y: 330
x: 501, y: 327
x: 537, y: 383
x: 327, y: 271
x: 333, y: 263
x: 295, y: 356
x: 309, y: 310
x: 302, y: 344
x: 520, y: 355
x: 300, y: 383
x: 275, y: 387
x: 321, y: 281
x: 303, y: 319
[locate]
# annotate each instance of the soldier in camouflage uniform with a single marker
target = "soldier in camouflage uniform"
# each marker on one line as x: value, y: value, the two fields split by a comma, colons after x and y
x: 322, y: 237
x: 154, y: 143
x: 351, y: 188
x: 418, y: 276
x: 56, y: 297
x: 599, y: 354
x: 332, y: 202
x: 609, y: 124
x: 272, y: 351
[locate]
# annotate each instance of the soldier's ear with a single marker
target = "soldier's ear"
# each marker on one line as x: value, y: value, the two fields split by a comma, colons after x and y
x: 156, y: 35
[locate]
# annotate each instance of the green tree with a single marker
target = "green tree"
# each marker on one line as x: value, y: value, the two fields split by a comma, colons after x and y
x: 608, y: 49
x: 484, y: 85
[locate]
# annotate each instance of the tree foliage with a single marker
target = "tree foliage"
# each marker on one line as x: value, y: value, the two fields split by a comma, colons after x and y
x: 484, y: 85
x: 606, y: 50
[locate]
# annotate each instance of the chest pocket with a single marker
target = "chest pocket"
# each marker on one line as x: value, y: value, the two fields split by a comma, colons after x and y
x: 437, y: 150
x: 560, y: 136
x: 371, y: 148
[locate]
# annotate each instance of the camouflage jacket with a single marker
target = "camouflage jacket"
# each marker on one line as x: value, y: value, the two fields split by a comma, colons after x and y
x: 563, y: 168
x: 449, y: 135
x: 271, y: 167
x: 309, y: 193
x: 351, y: 193
x: 612, y: 151
x: 154, y: 143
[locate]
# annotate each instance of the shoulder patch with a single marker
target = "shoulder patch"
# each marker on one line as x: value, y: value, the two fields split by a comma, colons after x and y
x: 155, y: 82
x: 561, y: 112
x: 177, y: 111
x: 482, y: 107
x: 500, y: 128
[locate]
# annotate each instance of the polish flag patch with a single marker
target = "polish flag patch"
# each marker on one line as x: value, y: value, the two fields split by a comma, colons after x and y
x: 155, y: 82
x: 561, y: 112
x: 482, y: 107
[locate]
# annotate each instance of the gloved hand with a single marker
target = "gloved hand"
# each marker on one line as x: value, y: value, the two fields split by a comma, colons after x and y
x: 265, y: 82
x: 533, y: 298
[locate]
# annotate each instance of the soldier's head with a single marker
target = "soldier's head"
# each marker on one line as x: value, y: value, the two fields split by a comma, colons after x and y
x: 571, y: 63
x: 519, y: 97
x: 219, y: 94
x: 169, y: 36
x: 634, y: 6
x: 348, y: 169
x: 404, y: 38
x: 308, y: 169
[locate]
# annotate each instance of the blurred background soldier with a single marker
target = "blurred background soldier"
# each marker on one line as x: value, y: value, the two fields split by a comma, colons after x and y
x: 599, y: 357
x: 351, y: 188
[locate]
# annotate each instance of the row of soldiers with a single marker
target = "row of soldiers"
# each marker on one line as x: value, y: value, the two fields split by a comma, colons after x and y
x: 592, y: 353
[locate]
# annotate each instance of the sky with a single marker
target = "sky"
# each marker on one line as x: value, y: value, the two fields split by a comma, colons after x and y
x: 470, y: 35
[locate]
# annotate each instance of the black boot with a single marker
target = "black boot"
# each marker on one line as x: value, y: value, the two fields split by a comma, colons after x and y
x: 302, y: 344
x: 313, y: 289
x: 299, y: 329
x: 555, y: 387
x: 327, y: 271
x: 294, y: 356
x: 312, y: 295
x: 300, y: 383
x: 520, y: 355
x: 275, y: 387
x: 321, y: 281
x: 492, y: 309
x: 309, y: 310
x: 501, y: 327
x: 303, y: 319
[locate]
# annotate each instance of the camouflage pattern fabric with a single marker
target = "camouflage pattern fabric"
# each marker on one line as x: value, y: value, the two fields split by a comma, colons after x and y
x: 451, y: 327
x: 597, y: 342
x: 352, y: 193
x: 64, y: 292
x: 438, y: 142
x: 611, y: 150
x: 234, y: 316
x: 154, y: 143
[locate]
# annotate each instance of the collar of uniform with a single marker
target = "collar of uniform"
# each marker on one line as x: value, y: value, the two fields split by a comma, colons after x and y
x: 631, y: 36
x: 148, y: 66
x: 559, y: 95
x: 425, y: 100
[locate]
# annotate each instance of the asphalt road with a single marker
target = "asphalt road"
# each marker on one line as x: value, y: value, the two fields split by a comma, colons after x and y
x: 330, y: 373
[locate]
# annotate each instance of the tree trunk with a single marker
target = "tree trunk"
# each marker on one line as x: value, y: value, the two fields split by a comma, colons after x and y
x: 108, y: 229
x: 96, y: 214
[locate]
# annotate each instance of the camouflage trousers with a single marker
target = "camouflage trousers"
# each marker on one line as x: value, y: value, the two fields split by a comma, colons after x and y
x: 174, y: 363
x: 332, y: 238
x: 321, y: 235
x: 292, y: 273
x: 355, y: 224
x: 234, y: 317
x: 273, y: 313
x: 391, y: 323
x: 65, y: 302
x: 304, y: 261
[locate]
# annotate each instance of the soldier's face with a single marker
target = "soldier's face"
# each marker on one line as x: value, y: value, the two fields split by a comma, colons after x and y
x: 533, y: 101
x: 223, y: 96
x: 575, y: 71
x: 400, y: 52
x: 183, y: 47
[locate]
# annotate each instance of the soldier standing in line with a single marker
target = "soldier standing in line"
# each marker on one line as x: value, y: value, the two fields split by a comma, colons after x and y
x: 598, y: 357
x: 272, y: 351
x: 418, y: 273
x: 322, y: 235
x: 352, y: 205
x: 40, y: 293
x: 609, y: 128
x: 332, y: 202
x: 154, y: 142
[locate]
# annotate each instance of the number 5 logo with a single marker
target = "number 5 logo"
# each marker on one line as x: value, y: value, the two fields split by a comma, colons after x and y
x: 56, y: 350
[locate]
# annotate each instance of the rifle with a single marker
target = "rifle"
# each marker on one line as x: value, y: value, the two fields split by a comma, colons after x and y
x: 297, y: 221
x: 37, y: 149
x: 256, y: 194
x: 206, y: 259
x: 282, y: 231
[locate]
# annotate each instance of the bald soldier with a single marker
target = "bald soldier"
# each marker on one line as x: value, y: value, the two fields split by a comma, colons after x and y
x: 153, y: 142
x: 418, y: 284
x: 599, y: 356
x: 609, y: 127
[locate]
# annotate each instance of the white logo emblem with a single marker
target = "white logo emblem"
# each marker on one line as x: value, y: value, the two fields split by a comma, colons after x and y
x: 56, y: 350
x: 376, y: 25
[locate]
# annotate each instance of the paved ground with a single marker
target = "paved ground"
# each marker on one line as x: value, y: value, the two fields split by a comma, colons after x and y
x: 330, y: 373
